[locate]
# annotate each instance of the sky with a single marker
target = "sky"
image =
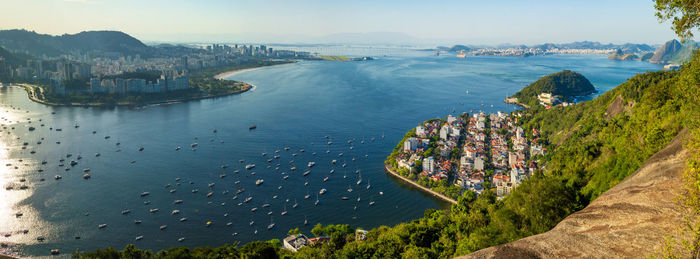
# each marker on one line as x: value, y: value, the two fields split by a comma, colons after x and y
x: 325, y: 21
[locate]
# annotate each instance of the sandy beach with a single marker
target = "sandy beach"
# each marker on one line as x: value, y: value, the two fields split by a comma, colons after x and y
x: 230, y: 73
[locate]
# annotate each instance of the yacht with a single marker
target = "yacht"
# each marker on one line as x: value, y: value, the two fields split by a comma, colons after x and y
x: 325, y: 179
x: 322, y: 191
x: 124, y: 212
x: 181, y: 239
x: 101, y: 226
x: 259, y: 182
x: 154, y: 210
x: 138, y: 238
x: 307, y: 172
x: 249, y: 166
x: 311, y: 164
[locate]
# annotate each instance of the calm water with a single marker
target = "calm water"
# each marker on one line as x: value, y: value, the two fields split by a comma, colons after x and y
x: 293, y: 106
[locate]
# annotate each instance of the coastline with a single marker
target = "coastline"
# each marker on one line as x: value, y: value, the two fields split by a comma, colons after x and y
x: 233, y: 72
x: 420, y: 187
x: 30, y: 93
x: 31, y: 96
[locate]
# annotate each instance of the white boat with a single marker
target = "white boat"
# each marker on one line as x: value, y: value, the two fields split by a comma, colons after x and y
x: 259, y: 182
x: 177, y: 202
x: 153, y: 210
x: 183, y: 219
x: 248, y: 199
x: 325, y: 179
x: 124, y: 212
x: 307, y: 172
x: 249, y: 166
x: 311, y: 164
x: 322, y: 191
x: 181, y: 239
x: 175, y: 212
x: 101, y: 226
x: 138, y: 238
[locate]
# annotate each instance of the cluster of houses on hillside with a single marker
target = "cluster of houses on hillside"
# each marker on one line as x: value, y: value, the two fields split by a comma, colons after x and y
x: 484, y: 142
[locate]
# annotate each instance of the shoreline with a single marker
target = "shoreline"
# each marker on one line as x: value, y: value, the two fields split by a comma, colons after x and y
x: 28, y: 88
x: 233, y: 72
x: 421, y: 187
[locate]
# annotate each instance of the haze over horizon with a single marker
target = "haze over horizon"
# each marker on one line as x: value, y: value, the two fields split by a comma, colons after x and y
x: 396, y: 22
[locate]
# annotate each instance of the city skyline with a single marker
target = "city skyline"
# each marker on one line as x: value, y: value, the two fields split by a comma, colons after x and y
x: 411, y: 22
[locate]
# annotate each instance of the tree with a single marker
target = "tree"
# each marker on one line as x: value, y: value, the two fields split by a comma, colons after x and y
x: 684, y: 13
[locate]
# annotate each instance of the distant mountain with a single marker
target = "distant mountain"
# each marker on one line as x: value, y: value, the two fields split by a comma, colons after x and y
x: 107, y: 43
x: 674, y: 52
x: 12, y: 59
x: 458, y: 48
x: 621, y: 55
x: 566, y: 84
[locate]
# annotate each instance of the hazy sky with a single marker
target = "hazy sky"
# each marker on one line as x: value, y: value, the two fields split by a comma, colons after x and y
x: 438, y: 21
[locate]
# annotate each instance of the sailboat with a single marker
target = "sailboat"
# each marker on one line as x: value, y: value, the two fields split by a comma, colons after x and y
x: 272, y: 224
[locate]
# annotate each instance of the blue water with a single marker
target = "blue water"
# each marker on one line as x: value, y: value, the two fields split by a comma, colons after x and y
x: 293, y: 106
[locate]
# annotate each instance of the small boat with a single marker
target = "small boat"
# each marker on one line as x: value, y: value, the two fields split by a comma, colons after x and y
x: 141, y: 149
x: 334, y: 161
x: 154, y: 210
x: 295, y: 204
x: 251, y: 222
x: 177, y: 148
x: 183, y: 219
x: 228, y: 224
x: 174, y: 212
x: 55, y: 251
x: 208, y: 224
x: 195, y: 190
x: 349, y: 189
x: 209, y: 194
x: 97, y: 154
x: 259, y: 182
x: 124, y: 212
x: 307, y: 172
x: 101, y: 226
x: 163, y: 227
x: 307, y: 196
x: 248, y: 199
x: 266, y: 205
x: 344, y: 198
x: 177, y: 202
x: 341, y: 154
x: 138, y: 238
x: 211, y: 185
x: 252, y: 127
x: 381, y: 193
x: 57, y: 177
x: 249, y: 166
x: 322, y: 191
x: 325, y: 179
x: 137, y: 222
x: 311, y: 164
x: 371, y: 203
x: 181, y: 239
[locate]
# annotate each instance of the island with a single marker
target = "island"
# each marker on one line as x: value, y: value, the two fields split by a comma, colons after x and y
x: 559, y: 88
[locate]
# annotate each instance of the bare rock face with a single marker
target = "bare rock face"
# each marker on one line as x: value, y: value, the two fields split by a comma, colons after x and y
x: 663, y: 54
x: 631, y: 220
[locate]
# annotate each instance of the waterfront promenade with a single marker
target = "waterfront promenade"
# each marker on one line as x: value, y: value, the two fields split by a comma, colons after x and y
x: 422, y: 188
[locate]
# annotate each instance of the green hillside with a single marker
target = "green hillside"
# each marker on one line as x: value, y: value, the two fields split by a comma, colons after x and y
x: 95, y: 42
x: 593, y: 146
x: 566, y: 84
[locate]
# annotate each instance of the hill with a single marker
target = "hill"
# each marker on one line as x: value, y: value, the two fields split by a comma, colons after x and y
x: 674, y: 52
x: 567, y: 84
x: 92, y: 42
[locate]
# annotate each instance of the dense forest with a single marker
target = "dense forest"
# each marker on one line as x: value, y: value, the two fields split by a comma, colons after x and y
x: 594, y: 145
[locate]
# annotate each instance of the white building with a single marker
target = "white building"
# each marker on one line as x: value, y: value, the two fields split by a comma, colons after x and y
x: 295, y: 242
x: 420, y: 131
x: 444, y: 132
x: 429, y: 164
x: 411, y: 144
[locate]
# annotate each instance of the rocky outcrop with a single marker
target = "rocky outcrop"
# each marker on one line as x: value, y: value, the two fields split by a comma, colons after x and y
x: 631, y: 220
x: 666, y: 52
